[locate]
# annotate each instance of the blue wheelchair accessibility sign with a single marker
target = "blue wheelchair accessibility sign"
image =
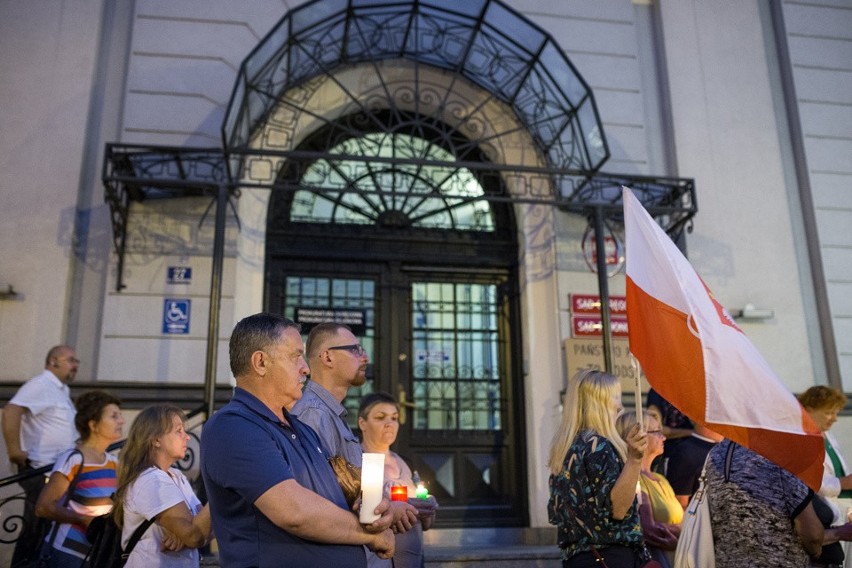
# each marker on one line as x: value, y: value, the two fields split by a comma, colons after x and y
x: 176, y: 315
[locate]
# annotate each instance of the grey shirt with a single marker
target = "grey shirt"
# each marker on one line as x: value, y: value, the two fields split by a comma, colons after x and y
x: 321, y: 411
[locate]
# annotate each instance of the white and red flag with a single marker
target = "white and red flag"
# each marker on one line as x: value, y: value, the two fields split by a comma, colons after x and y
x: 697, y: 358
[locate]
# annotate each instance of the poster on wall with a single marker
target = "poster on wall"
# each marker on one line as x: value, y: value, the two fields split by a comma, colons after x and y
x: 581, y: 353
x: 176, y: 314
x: 308, y: 317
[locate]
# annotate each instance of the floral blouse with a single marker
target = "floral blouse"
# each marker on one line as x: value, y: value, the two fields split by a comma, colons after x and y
x: 580, y: 504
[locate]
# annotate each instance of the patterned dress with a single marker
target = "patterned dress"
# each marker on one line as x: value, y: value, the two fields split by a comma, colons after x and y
x: 752, y: 514
x: 580, y: 504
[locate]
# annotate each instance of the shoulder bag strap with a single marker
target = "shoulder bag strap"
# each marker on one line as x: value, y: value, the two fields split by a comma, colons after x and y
x: 728, y: 458
x: 598, y: 558
x: 134, y: 538
x: 68, y: 493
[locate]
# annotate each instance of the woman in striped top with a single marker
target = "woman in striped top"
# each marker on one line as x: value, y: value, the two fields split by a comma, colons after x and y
x: 99, y: 422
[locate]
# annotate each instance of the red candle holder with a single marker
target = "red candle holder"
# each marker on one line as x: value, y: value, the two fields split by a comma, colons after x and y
x: 399, y: 493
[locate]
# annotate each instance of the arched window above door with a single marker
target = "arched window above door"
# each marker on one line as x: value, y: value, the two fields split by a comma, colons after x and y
x: 411, y: 193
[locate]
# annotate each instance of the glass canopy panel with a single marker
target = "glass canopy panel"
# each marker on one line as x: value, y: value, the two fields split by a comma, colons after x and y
x: 496, y: 65
x: 376, y: 34
x: 562, y: 74
x: 439, y: 38
x: 588, y: 125
x: 568, y: 152
x: 470, y: 8
x: 547, y: 116
x: 309, y: 15
x: 505, y: 22
x: 357, y: 4
x: 349, y: 191
x: 265, y: 51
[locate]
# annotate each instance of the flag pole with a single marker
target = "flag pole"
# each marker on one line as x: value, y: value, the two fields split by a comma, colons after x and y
x: 637, y: 376
x: 603, y: 286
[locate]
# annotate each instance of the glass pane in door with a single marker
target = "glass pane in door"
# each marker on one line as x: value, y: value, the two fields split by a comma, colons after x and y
x: 339, y: 293
x: 456, y: 368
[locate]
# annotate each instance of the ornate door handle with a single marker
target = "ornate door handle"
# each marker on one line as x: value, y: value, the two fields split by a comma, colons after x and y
x: 402, y: 399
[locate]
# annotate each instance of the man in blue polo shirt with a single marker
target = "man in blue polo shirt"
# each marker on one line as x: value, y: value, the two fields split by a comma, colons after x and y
x: 274, y: 498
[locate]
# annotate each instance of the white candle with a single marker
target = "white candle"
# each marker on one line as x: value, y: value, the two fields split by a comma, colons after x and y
x: 372, y: 484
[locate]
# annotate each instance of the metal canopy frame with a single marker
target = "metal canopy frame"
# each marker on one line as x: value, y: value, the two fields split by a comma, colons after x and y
x: 502, y: 63
x: 133, y: 173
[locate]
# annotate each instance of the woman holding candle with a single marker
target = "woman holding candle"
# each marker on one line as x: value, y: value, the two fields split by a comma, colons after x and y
x: 660, y: 513
x: 594, y: 473
x: 378, y: 419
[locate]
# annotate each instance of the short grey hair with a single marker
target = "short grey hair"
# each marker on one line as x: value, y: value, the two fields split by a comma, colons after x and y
x: 255, y: 333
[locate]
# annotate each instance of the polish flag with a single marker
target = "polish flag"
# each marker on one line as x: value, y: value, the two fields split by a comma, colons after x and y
x: 697, y: 358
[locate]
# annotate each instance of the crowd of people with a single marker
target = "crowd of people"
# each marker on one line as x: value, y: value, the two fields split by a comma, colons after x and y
x: 271, y: 467
x: 274, y: 495
x: 618, y: 499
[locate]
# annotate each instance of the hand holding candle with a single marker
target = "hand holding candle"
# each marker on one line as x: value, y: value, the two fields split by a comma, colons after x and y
x: 399, y: 493
x: 372, y: 483
x: 422, y: 492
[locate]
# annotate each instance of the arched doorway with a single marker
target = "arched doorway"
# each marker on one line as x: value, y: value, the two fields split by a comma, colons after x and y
x: 430, y: 272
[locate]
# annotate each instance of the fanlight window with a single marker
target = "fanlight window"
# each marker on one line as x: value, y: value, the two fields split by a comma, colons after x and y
x: 393, y: 194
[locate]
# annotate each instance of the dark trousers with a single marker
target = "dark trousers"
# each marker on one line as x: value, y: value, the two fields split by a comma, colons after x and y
x: 614, y: 556
x: 33, y: 529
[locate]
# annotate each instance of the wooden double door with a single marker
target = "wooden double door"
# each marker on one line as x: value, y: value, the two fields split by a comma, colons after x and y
x: 444, y: 342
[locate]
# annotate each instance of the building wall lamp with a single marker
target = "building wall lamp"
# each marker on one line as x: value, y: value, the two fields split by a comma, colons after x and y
x: 6, y: 291
x: 751, y: 312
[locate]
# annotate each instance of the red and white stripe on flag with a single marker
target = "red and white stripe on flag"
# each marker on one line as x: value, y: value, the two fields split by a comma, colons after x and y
x: 697, y: 358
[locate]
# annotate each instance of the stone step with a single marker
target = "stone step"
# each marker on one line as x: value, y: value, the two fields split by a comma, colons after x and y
x: 512, y: 556
x: 498, y: 556
x: 487, y: 547
x: 478, y: 548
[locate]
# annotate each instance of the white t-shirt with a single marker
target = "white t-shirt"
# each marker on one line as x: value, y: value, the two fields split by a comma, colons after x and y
x: 153, y: 492
x: 48, y: 428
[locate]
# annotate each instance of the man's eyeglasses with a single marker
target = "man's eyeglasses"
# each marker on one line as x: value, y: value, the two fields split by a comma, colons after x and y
x: 355, y: 349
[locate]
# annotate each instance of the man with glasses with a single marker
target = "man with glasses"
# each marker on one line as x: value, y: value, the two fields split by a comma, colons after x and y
x: 274, y: 498
x: 337, y: 361
x: 38, y: 424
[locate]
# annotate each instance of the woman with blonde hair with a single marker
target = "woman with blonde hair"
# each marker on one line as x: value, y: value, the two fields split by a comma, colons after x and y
x: 660, y: 513
x: 150, y: 488
x: 594, y: 473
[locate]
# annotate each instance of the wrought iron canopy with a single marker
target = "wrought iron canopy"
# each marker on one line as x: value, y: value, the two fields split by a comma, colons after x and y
x: 482, y: 41
x: 498, y: 59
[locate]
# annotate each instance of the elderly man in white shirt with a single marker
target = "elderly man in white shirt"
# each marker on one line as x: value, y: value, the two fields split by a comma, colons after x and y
x: 38, y: 424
